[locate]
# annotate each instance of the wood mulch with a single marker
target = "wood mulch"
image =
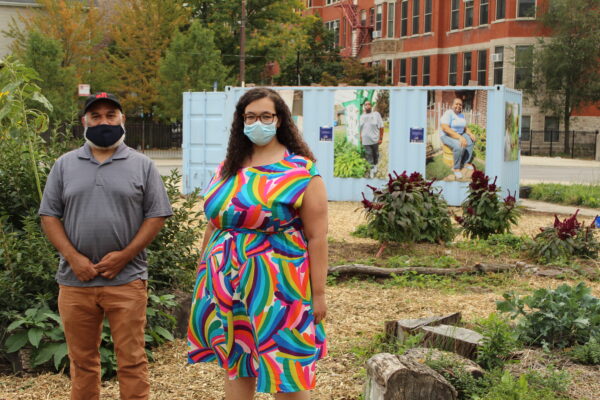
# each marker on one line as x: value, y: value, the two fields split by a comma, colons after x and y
x: 357, y: 311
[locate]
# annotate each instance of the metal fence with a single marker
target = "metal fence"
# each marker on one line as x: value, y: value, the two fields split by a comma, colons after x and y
x: 146, y: 134
x: 582, y: 144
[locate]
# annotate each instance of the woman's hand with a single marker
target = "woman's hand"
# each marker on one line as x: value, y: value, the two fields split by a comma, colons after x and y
x: 463, y: 141
x: 473, y: 137
x: 319, y: 307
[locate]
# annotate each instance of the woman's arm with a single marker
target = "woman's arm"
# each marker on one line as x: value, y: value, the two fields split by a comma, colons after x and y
x: 313, y: 214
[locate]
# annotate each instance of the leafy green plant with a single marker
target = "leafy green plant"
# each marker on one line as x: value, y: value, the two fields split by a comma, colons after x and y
x: 483, y: 212
x: 349, y: 161
x: 407, y: 209
x: 564, y: 240
x: 524, y: 387
x: 465, y: 384
x: 588, y: 353
x: 39, y: 329
x: 480, y: 145
x: 496, y: 244
x: 557, y: 318
x: 174, y: 253
x: 499, y: 340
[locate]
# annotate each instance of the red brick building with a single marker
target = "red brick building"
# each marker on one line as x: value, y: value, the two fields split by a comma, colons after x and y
x: 445, y: 42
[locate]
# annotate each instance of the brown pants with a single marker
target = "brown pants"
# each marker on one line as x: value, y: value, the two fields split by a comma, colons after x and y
x: 82, y: 310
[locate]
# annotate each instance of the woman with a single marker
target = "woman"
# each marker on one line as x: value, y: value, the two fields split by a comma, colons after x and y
x: 259, y: 303
x: 458, y: 137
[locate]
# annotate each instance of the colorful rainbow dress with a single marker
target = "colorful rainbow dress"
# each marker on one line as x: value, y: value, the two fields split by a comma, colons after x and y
x: 251, y: 306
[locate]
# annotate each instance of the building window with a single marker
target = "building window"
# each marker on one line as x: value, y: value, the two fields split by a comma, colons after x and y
x: 328, y: 2
x: 379, y: 18
x: 372, y: 15
x: 414, y: 71
x: 499, y: 52
x: 481, y: 67
x: 452, y: 69
x: 523, y: 67
x: 343, y: 37
x: 403, y: 70
x: 404, y: 28
x: 500, y: 9
x: 526, y: 128
x: 389, y: 71
x: 425, y: 70
x: 551, y: 133
x: 334, y: 26
x: 454, y: 14
x: 468, y: 13
x: 483, y: 12
x: 363, y: 18
x: 390, y: 19
x: 428, y: 12
x: 466, y: 68
x: 525, y: 8
x: 415, y: 18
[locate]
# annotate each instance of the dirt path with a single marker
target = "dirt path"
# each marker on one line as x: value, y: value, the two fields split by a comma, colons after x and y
x: 357, y: 310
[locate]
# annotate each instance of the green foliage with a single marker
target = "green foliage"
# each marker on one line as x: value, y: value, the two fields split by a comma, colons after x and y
x: 407, y: 209
x: 465, y: 384
x: 427, y: 261
x: 576, y: 194
x: 191, y: 63
x: 588, y: 353
x: 480, y: 145
x: 383, y: 344
x: 40, y: 329
x: 499, y: 340
x: 59, y: 83
x: 174, y: 253
x: 348, y: 160
x: 483, y: 212
x: 496, y: 244
x: 564, y: 240
x: 557, y: 318
x: 531, y: 386
x: 437, y: 169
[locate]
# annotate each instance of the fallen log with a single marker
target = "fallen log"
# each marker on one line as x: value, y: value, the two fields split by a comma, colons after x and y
x: 380, y: 272
x: 394, y: 377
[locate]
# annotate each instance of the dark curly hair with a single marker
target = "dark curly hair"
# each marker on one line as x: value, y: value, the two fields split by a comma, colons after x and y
x: 240, y: 147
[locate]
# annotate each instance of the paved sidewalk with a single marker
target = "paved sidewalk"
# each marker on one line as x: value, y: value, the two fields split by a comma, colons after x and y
x: 552, y: 208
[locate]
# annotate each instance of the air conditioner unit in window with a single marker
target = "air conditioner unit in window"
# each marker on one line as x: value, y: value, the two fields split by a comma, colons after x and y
x: 376, y: 34
x: 497, y: 57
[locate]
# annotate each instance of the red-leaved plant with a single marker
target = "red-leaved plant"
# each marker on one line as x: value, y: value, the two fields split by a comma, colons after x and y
x: 565, y: 239
x: 407, y: 209
x: 484, y: 213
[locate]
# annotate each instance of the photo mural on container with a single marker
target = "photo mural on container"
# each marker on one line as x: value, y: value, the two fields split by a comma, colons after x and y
x: 456, y: 134
x: 511, y: 132
x: 294, y: 99
x: 361, y: 133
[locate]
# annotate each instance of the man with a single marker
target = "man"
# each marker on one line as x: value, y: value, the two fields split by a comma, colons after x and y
x: 371, y: 135
x: 103, y: 204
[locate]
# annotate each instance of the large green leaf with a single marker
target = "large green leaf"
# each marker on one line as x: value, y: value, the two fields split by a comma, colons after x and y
x: 59, y: 354
x: 35, y: 336
x: 45, y: 353
x: 164, y: 333
x: 15, y: 342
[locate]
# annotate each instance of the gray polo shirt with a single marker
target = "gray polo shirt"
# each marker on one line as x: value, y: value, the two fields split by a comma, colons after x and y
x: 102, y: 207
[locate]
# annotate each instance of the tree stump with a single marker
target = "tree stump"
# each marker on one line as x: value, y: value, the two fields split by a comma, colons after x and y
x: 400, y: 330
x: 451, y: 338
x: 393, y: 377
x: 421, y: 354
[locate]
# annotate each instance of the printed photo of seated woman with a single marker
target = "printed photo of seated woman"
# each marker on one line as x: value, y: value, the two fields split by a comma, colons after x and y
x: 455, y: 134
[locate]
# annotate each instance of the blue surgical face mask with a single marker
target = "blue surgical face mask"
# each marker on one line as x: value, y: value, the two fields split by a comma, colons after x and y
x: 260, y: 134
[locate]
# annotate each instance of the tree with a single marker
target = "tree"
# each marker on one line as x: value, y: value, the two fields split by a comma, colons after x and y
x: 273, y: 31
x: 78, y: 29
x: 45, y: 55
x: 141, y: 32
x: 566, y: 66
x: 355, y: 73
x: 192, y: 62
x: 315, y: 56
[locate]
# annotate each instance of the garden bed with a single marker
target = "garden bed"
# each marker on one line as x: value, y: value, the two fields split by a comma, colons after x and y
x: 352, y: 326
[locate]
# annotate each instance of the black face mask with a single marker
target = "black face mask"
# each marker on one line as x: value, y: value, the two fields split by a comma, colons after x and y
x: 104, y: 135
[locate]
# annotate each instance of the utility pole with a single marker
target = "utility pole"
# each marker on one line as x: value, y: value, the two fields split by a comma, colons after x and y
x: 243, y: 46
x: 298, y: 65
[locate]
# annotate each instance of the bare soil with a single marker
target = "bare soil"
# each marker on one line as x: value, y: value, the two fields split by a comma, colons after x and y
x: 357, y: 310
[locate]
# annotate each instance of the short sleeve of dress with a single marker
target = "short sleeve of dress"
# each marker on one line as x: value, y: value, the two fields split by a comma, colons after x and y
x: 310, y: 171
x: 446, y: 118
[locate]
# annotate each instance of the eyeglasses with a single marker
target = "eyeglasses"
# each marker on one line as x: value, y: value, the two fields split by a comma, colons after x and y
x: 265, y: 118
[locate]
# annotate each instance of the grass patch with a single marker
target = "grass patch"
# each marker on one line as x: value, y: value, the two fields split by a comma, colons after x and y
x: 436, y: 169
x: 574, y: 195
